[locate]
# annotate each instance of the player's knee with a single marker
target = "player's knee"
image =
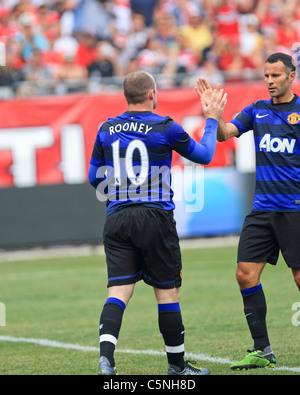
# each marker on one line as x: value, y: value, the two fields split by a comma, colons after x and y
x: 246, y: 278
x: 121, y: 292
x: 297, y: 278
x: 242, y: 277
x: 167, y: 295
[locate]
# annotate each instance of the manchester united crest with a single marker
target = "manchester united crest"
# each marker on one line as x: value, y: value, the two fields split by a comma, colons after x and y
x: 294, y: 118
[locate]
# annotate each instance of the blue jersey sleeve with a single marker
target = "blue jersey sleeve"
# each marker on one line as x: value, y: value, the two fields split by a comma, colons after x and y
x: 97, y: 161
x: 201, y: 152
x: 97, y: 158
x: 244, y: 121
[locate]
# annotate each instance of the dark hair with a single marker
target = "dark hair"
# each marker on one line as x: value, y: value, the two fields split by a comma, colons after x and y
x: 137, y: 85
x: 287, y: 60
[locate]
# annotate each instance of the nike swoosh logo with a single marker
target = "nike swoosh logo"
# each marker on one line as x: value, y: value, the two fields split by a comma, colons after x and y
x: 262, y: 116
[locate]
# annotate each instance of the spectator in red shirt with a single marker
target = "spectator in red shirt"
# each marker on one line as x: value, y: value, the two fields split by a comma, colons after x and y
x: 87, y: 50
x: 267, y: 13
x: 227, y: 19
x: 8, y: 27
x: 287, y: 33
x: 232, y: 61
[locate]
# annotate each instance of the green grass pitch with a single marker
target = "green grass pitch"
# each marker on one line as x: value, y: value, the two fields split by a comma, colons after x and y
x: 60, y: 300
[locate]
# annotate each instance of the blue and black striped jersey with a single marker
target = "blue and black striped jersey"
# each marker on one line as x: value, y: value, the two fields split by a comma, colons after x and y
x: 133, y: 154
x: 276, y: 129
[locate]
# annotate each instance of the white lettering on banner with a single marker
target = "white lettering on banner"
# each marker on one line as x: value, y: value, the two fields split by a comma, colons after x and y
x: 23, y: 143
x: 190, y: 122
x: 2, y: 54
x: 73, y: 155
x: 276, y: 144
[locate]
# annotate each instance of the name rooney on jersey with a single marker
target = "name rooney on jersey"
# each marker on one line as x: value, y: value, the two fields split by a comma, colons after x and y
x: 130, y: 127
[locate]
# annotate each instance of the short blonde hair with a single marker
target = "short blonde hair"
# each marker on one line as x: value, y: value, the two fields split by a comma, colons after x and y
x: 137, y: 85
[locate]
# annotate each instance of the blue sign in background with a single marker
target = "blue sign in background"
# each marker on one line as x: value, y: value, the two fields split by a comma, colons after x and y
x: 227, y: 200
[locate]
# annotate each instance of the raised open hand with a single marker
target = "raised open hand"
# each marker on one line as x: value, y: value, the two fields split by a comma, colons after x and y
x: 213, y: 102
x: 204, y: 90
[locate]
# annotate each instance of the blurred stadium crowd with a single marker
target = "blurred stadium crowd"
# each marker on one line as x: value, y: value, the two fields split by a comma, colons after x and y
x: 61, y: 46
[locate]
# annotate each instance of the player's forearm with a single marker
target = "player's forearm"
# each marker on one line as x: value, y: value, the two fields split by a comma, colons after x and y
x: 226, y: 131
x: 222, y: 131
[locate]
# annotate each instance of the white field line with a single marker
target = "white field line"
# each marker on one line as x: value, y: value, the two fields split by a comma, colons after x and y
x: 69, y: 346
x: 88, y: 250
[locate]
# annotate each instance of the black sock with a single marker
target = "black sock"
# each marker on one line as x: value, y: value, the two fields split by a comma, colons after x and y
x: 110, y: 325
x: 255, y: 309
x: 172, y: 330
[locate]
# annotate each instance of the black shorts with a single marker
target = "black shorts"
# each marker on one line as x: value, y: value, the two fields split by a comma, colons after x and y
x: 264, y: 234
x: 141, y: 243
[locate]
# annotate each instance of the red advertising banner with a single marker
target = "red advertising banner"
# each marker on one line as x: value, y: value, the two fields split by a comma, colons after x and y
x: 49, y: 140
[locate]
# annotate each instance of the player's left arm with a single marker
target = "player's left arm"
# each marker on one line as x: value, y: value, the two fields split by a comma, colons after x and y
x: 93, y: 176
x: 97, y: 163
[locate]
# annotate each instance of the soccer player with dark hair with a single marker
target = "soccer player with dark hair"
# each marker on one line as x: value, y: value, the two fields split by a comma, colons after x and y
x: 131, y: 166
x: 274, y: 223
